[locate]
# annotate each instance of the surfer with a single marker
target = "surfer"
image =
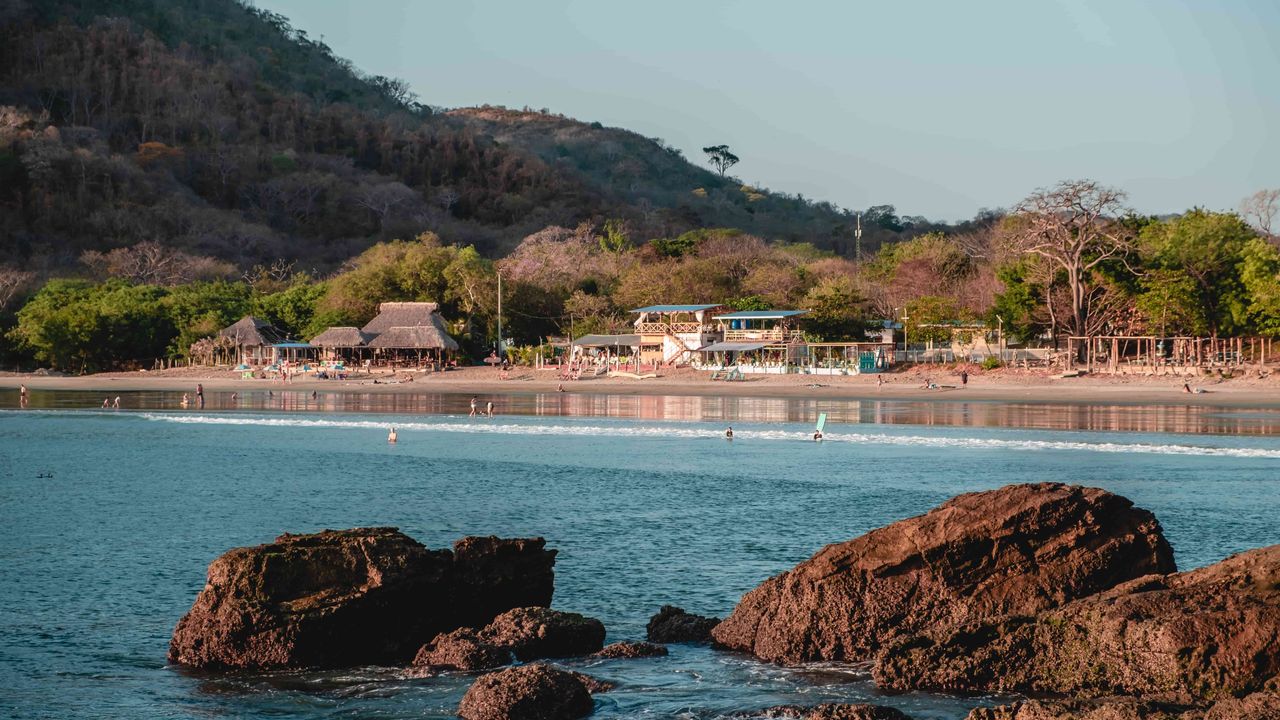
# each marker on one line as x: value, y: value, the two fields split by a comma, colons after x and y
x: 728, y: 434
x: 817, y: 436
x: 391, y: 436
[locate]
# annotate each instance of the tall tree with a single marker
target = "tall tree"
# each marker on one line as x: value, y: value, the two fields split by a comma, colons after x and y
x: 720, y: 157
x: 1076, y: 227
x: 1261, y: 209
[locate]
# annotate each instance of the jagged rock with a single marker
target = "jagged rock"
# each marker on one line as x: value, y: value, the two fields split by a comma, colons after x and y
x: 1255, y: 706
x: 526, y: 692
x: 836, y: 711
x: 674, y: 625
x: 1111, y: 708
x: 1018, y: 549
x: 1201, y: 635
x: 538, y: 632
x: 629, y: 650
x: 463, y: 650
x: 352, y: 597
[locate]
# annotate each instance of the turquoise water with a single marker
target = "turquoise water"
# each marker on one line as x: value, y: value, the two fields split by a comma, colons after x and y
x: 645, y: 500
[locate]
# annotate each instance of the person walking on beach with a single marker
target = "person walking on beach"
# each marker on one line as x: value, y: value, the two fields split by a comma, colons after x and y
x: 879, y: 381
x: 200, y: 394
x: 964, y: 378
x: 488, y: 408
x: 473, y: 406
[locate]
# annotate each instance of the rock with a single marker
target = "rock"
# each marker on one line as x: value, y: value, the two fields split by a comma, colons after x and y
x: 463, y: 650
x: 836, y: 711
x: 630, y: 650
x: 593, y: 685
x: 674, y: 625
x: 1018, y: 549
x: 537, y: 632
x: 1111, y: 708
x: 527, y: 692
x: 1199, y: 635
x: 1255, y: 706
x: 352, y: 597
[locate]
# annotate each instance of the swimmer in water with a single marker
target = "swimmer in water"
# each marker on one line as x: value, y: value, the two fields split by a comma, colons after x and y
x: 817, y: 436
x: 391, y: 437
x: 728, y: 434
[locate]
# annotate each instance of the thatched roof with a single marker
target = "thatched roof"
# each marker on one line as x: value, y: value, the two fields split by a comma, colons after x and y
x: 342, y: 337
x: 404, y: 314
x: 417, y: 337
x: 249, y: 331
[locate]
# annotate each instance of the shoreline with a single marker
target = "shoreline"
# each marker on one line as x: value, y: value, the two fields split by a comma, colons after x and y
x: 1004, y: 387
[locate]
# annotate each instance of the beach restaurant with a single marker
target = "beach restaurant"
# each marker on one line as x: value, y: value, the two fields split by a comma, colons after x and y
x: 757, y: 341
x: 673, y: 334
x: 254, y: 340
x: 404, y: 330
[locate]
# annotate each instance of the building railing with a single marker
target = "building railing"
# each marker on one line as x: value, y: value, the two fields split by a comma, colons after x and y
x: 676, y: 328
x: 769, y: 335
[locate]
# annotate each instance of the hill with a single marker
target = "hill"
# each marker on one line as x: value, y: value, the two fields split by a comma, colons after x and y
x: 218, y: 129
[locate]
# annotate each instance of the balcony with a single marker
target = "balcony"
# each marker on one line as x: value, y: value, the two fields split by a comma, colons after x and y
x: 775, y: 335
x: 676, y: 328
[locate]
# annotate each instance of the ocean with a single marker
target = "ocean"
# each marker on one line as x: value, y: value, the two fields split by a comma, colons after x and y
x: 112, y: 517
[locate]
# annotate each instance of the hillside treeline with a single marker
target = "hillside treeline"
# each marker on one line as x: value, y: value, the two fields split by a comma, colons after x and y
x: 1198, y: 274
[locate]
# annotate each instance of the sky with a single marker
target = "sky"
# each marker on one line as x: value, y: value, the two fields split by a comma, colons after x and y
x: 938, y: 107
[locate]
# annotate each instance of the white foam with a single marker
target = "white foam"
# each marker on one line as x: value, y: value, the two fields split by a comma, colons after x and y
x: 488, y: 426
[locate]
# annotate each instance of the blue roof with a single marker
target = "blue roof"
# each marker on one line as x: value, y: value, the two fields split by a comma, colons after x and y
x: 761, y: 314
x: 292, y: 345
x: 674, y: 308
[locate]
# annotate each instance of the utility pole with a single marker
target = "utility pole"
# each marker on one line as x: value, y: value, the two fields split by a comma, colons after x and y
x: 857, y: 239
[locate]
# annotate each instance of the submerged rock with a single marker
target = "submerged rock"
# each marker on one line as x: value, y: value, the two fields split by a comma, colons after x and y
x: 461, y: 649
x: 836, y: 711
x: 1018, y: 549
x: 538, y: 632
x: 527, y: 692
x: 1201, y: 635
x: 630, y: 650
x: 674, y: 625
x: 352, y: 597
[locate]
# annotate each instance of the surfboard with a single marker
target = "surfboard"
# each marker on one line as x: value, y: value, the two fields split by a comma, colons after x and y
x: 822, y: 421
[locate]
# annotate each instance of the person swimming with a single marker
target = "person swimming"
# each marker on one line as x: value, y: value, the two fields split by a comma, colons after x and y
x: 392, y: 437
x: 728, y: 434
x: 817, y: 436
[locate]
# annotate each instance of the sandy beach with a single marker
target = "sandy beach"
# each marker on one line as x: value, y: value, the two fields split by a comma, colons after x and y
x: 1246, y: 389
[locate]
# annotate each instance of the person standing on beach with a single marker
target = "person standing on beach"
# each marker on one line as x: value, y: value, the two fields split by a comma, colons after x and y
x: 879, y: 381
x: 964, y: 378
x: 200, y: 394
x: 473, y: 406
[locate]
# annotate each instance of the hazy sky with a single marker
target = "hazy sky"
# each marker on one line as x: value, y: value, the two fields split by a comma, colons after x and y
x: 938, y: 107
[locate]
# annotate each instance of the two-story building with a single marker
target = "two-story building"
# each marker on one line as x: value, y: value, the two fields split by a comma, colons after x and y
x: 672, y: 334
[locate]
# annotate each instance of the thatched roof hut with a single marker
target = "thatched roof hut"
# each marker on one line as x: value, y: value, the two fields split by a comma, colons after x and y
x: 342, y: 337
x: 249, y: 331
x: 405, y: 314
x: 416, y: 337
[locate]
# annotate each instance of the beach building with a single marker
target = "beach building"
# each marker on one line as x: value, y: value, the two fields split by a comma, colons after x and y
x: 343, y: 343
x: 757, y: 341
x: 254, y: 340
x: 403, y: 330
x: 673, y: 334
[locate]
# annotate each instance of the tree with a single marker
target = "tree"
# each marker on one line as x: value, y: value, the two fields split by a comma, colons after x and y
x: 80, y: 326
x: 1261, y: 208
x: 1203, y: 247
x: 837, y: 311
x: 1260, y: 274
x: 1075, y: 227
x: 720, y: 157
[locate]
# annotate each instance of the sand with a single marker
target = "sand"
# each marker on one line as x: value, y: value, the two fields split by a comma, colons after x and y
x: 1246, y: 389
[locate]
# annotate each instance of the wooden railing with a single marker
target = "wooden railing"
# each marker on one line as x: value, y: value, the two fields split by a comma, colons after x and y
x: 770, y: 335
x: 661, y: 328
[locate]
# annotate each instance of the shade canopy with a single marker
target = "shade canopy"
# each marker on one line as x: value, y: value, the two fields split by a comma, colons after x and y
x: 404, y: 314
x: 417, y: 337
x: 342, y: 337
x: 732, y: 347
x: 608, y: 341
x: 761, y: 314
x: 250, y: 331
x: 673, y: 308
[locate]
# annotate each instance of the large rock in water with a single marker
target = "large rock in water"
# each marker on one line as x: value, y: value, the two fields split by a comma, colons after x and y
x: 352, y: 597
x: 674, y: 625
x: 1018, y: 549
x: 1200, y: 635
x: 538, y: 632
x: 527, y: 692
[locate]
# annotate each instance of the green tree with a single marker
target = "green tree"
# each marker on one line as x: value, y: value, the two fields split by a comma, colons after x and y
x: 720, y: 158
x: 296, y: 310
x: 1260, y: 275
x: 82, y: 327
x: 837, y: 311
x: 1015, y: 306
x: 927, y: 319
x: 616, y: 237
x: 472, y: 285
x: 1170, y: 303
x: 201, y: 309
x: 1204, y: 247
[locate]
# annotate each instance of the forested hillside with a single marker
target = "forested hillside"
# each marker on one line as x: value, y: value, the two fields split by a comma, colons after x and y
x: 218, y: 129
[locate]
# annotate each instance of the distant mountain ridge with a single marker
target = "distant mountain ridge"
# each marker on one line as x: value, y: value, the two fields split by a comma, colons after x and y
x: 217, y: 128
